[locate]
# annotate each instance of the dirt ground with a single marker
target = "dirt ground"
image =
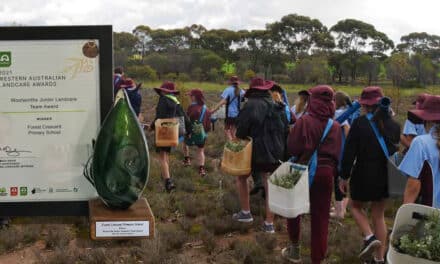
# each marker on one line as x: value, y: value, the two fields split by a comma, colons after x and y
x: 193, y: 223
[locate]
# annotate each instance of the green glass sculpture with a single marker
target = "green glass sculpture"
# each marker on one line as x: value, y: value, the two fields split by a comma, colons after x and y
x: 119, y: 166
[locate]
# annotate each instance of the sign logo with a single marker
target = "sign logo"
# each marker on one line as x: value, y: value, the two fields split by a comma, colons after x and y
x: 14, y: 191
x: 5, y: 58
x: 3, y: 191
x: 23, y: 191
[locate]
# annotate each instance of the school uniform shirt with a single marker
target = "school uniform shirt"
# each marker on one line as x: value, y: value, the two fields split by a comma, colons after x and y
x: 194, y: 111
x: 423, y: 150
x: 339, y: 112
x: 233, y: 101
x: 411, y: 129
x: 364, y: 161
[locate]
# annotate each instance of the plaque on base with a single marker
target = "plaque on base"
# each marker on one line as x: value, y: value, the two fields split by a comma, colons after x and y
x: 136, y: 222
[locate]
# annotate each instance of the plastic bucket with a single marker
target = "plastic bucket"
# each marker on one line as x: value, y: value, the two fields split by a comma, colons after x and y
x: 237, y: 163
x: 167, y: 132
x: 289, y: 203
x: 407, y: 215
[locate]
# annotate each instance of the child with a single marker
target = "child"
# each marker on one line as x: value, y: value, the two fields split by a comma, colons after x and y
x: 303, y: 140
x: 134, y: 96
x: 266, y: 123
x: 411, y: 130
x: 342, y: 102
x: 300, y: 106
x: 199, y: 115
x: 168, y: 107
x: 232, y: 97
x: 365, y: 164
x: 422, y: 161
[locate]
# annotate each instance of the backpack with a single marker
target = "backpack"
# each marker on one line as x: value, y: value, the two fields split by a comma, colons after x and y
x: 271, y: 147
x: 198, y: 133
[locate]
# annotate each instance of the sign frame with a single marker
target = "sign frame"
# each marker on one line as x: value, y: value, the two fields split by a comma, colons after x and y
x: 103, y: 33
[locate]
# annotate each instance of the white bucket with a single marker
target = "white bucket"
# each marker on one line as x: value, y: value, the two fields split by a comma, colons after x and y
x: 289, y: 203
x: 404, y: 218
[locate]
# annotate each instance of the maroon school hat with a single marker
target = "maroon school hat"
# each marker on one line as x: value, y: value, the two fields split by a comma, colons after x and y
x: 234, y: 80
x: 429, y: 111
x: 371, y: 95
x: 420, y: 100
x: 197, y: 93
x: 260, y: 84
x: 167, y: 87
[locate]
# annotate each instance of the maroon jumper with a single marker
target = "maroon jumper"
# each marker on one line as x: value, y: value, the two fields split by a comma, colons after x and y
x: 302, y: 142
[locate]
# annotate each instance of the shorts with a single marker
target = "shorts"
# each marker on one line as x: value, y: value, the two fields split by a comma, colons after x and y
x: 230, y: 122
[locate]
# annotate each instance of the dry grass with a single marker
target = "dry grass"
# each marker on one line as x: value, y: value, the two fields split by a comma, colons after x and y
x: 58, y: 237
x: 199, y: 210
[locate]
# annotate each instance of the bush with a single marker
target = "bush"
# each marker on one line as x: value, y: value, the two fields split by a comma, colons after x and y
x: 248, y: 252
x: 172, y: 238
x: 170, y: 77
x: 249, y: 74
x: 174, y: 77
x: 228, y: 75
x: 267, y: 241
x: 141, y: 72
x: 213, y: 75
x: 208, y: 239
x: 197, y: 74
x: 10, y: 239
x: 58, y: 237
x: 183, y: 77
x: 281, y: 78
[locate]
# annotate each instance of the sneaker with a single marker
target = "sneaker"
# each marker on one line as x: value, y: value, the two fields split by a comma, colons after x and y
x: 268, y: 228
x: 202, y: 171
x: 186, y: 162
x: 369, y: 247
x: 243, y: 217
x: 169, y: 185
x: 292, y: 253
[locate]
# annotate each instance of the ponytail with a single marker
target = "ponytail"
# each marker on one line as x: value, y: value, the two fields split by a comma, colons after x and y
x: 237, y: 90
x: 437, y: 135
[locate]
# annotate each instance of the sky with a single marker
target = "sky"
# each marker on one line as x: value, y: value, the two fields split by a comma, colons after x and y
x: 393, y: 17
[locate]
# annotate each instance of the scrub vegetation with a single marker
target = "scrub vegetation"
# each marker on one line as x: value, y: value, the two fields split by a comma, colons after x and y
x: 193, y: 223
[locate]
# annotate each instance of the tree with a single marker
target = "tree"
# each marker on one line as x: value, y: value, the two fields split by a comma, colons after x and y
x: 424, y: 69
x: 399, y: 69
x: 219, y: 41
x: 299, y: 34
x: 142, y: 72
x: 355, y: 37
x: 422, y: 43
x: 313, y: 69
x: 211, y: 61
x: 159, y: 62
x: 260, y: 49
x: 369, y: 67
x: 124, y: 41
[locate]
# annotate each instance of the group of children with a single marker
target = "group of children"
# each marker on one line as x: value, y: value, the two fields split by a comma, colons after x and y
x: 352, y: 155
